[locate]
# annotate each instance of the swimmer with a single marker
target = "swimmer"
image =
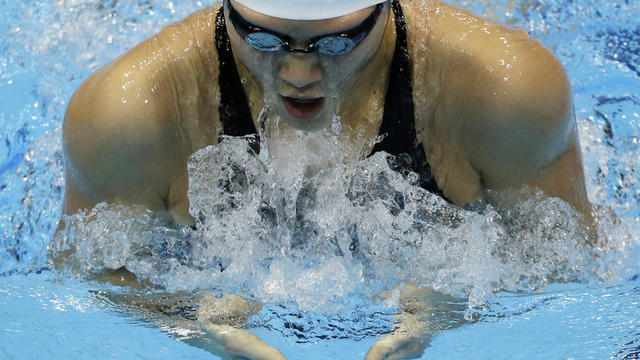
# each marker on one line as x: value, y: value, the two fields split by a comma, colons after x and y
x: 476, y: 106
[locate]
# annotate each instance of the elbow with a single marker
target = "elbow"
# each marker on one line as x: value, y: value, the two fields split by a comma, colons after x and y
x: 541, y: 107
x: 544, y: 93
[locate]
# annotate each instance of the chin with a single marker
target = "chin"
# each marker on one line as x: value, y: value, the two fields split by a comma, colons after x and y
x: 316, y: 123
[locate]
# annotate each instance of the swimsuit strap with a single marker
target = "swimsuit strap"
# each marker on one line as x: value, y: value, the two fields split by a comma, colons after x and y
x: 398, y: 120
x: 234, y: 107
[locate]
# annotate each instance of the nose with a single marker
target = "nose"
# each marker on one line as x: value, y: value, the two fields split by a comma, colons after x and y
x: 300, y: 70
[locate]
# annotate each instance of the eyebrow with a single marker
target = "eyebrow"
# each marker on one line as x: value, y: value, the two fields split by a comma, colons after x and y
x: 357, y: 29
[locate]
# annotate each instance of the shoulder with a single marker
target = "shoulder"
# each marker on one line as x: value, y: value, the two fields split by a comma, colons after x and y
x: 109, y: 146
x: 493, y: 67
x: 127, y: 126
x: 138, y: 88
x: 486, y: 60
x: 192, y: 39
x: 500, y: 98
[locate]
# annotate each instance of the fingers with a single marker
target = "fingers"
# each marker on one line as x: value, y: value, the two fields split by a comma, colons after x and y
x: 392, y: 347
x: 243, y: 344
x: 228, y: 310
x: 378, y: 351
x: 217, y: 315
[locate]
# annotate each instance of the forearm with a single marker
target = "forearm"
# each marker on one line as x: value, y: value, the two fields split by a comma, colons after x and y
x: 415, y: 322
x: 409, y: 337
x: 564, y: 178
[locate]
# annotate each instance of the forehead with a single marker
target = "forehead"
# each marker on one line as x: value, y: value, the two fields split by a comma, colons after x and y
x: 303, y: 27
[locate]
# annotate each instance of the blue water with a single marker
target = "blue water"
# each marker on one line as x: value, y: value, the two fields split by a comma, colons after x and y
x: 48, y: 48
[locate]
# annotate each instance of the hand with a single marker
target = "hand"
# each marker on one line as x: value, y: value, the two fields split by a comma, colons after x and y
x: 407, y: 339
x: 399, y: 344
x: 217, y: 317
x: 234, y: 343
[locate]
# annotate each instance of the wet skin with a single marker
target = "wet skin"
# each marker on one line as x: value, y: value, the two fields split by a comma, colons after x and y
x: 493, y: 107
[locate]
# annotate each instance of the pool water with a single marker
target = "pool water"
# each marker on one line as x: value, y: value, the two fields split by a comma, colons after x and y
x: 318, y: 251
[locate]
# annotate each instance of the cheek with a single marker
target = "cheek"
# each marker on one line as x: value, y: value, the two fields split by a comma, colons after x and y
x: 260, y: 65
x: 341, y: 69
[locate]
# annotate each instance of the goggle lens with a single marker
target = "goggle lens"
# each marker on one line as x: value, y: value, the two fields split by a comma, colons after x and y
x: 335, y: 45
x: 264, y: 42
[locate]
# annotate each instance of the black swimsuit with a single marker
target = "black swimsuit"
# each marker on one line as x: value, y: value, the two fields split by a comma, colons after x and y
x: 398, y: 121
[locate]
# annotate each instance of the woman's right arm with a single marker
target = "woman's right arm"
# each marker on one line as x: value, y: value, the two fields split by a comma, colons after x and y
x: 131, y: 126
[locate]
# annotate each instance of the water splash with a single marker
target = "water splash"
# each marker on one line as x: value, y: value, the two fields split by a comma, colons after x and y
x: 312, y: 239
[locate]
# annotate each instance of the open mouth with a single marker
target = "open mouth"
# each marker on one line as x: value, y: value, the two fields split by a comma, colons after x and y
x: 303, y: 108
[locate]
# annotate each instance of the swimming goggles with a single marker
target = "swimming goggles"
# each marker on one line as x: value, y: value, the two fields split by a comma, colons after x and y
x: 266, y: 40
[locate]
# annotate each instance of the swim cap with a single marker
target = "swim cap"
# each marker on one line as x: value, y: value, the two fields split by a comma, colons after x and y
x: 307, y: 9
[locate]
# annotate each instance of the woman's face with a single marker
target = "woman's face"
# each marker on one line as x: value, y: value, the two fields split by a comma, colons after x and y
x: 305, y: 88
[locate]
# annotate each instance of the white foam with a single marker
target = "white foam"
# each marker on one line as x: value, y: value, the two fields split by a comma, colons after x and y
x: 310, y: 239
